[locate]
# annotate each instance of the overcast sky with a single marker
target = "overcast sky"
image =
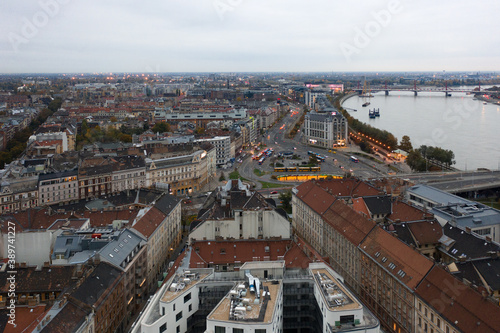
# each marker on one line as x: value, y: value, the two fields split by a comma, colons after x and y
x: 248, y: 35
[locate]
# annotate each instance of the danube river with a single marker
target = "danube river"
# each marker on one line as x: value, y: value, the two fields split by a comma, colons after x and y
x: 460, y: 123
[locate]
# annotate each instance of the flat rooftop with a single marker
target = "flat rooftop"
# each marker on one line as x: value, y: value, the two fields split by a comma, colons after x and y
x: 336, y: 296
x: 243, y: 305
x: 182, y: 283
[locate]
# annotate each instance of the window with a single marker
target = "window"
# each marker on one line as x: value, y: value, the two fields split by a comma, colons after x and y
x: 237, y: 330
x: 260, y: 331
x: 187, y: 297
x: 190, y: 308
x: 219, y: 329
x: 163, y: 328
x: 178, y: 316
x: 178, y: 330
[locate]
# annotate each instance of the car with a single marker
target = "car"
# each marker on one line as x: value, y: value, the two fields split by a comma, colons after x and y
x: 294, y: 148
x: 187, y: 201
x: 274, y: 192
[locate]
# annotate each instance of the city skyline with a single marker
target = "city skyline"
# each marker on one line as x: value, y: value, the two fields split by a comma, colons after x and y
x: 57, y: 36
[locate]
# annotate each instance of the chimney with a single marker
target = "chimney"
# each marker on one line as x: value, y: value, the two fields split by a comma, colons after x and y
x: 488, y: 239
x: 468, y: 230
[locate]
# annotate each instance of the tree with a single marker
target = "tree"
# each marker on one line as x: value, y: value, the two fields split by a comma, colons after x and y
x: 5, y: 157
x: 113, y: 119
x: 405, y: 144
x: 161, y: 128
x: 365, y: 146
x: 415, y: 161
x: 222, y: 177
x: 313, y: 160
x: 286, y: 199
x: 125, y: 138
x: 84, y: 127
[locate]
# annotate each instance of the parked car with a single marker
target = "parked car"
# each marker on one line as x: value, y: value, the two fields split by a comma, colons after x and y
x: 274, y: 192
x: 187, y: 201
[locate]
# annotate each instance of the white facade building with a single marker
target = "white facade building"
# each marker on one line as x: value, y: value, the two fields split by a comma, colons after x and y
x: 233, y: 211
x: 326, y: 130
x: 51, y: 136
x: 222, y: 146
x: 252, y: 303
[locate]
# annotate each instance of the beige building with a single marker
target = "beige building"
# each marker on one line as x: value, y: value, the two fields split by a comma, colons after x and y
x: 160, y: 226
x: 18, y: 194
x: 59, y: 187
x: 185, y: 174
x: 129, y: 173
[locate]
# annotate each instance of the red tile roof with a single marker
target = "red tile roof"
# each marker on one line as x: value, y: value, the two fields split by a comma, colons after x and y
x: 353, y: 226
x: 27, y: 318
x: 349, y: 187
x: 315, y: 197
x: 379, y: 244
x: 36, y: 219
x: 149, y: 222
x: 359, y: 206
x: 224, y: 252
x: 426, y: 232
x: 47, y: 143
x: 47, y: 279
x: 403, y: 212
x: 458, y: 303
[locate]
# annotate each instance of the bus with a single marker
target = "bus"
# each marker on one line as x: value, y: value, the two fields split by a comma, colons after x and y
x: 320, y: 158
x: 262, y: 159
x: 354, y: 159
x: 308, y: 169
x: 285, y: 169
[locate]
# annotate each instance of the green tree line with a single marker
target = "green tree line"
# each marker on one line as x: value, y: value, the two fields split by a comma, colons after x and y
x: 16, y: 146
x: 383, y: 136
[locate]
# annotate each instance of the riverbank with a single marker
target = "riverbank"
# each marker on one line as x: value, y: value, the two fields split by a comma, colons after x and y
x: 457, y: 123
x: 490, y: 100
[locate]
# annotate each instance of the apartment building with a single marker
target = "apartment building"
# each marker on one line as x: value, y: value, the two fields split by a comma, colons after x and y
x: 222, y: 145
x: 199, y: 300
x: 59, y: 187
x: 159, y: 226
x: 184, y: 174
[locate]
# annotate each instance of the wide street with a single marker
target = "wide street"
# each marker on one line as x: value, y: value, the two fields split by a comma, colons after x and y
x: 337, y: 161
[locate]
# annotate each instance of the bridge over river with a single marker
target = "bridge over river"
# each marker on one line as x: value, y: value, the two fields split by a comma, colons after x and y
x: 416, y: 89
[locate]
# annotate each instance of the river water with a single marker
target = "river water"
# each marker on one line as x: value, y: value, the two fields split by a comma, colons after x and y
x: 460, y: 123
